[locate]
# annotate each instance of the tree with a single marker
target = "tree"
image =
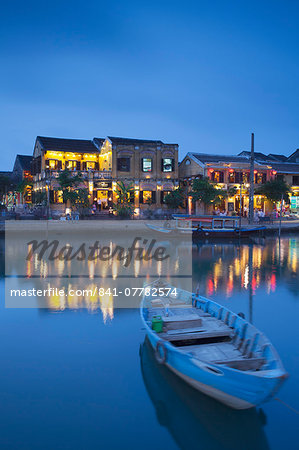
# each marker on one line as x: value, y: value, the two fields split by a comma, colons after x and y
x: 123, y: 206
x: 71, y: 192
x: 232, y: 191
x: 175, y: 199
x: 25, y: 187
x: 5, y: 185
x: 40, y: 198
x: 204, y: 191
x: 275, y: 190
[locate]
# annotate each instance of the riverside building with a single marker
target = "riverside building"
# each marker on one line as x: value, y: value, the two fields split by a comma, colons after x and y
x: 232, y: 173
x: 150, y: 166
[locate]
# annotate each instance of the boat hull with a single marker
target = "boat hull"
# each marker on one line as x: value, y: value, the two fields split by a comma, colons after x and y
x: 234, y: 388
x: 207, y: 233
x: 231, y: 234
x: 229, y: 400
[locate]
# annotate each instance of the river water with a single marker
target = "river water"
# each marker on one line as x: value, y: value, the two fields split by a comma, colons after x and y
x: 86, y: 378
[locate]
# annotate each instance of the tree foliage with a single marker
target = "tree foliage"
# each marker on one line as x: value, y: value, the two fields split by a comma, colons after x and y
x: 5, y: 184
x: 275, y: 190
x: 71, y: 192
x: 204, y: 191
x: 24, y: 187
x: 40, y: 198
x: 123, y: 205
x: 175, y: 199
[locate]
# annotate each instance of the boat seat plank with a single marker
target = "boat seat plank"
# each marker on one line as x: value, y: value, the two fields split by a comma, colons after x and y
x: 243, y: 364
x: 183, y: 324
x: 197, y: 335
x: 215, y: 351
x: 186, y: 330
x: 179, y: 318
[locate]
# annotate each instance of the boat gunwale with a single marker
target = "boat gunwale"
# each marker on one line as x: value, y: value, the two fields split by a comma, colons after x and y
x: 276, y: 373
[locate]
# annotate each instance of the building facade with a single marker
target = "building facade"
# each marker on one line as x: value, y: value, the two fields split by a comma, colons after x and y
x: 150, y: 166
x: 234, y: 172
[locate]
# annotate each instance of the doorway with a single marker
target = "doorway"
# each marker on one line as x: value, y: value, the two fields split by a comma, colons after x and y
x: 102, y: 199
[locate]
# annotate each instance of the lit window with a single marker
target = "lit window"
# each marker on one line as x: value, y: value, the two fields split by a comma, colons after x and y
x: 217, y: 177
x: 58, y: 197
x: 90, y: 165
x: 245, y: 177
x: 167, y: 165
x: 259, y: 178
x: 232, y: 177
x: 163, y: 195
x: 146, y: 165
x: 72, y: 165
x: 147, y: 196
x: 53, y: 164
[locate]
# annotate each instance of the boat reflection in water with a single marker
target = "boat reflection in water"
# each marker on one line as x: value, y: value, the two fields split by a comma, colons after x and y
x: 194, y: 420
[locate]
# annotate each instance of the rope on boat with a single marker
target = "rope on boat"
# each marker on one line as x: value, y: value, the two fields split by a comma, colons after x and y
x: 288, y: 406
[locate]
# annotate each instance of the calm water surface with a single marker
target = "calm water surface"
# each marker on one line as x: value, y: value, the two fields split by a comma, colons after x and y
x: 87, y: 378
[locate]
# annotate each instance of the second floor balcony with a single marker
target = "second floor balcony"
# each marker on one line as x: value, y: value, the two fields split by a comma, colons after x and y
x: 86, y: 174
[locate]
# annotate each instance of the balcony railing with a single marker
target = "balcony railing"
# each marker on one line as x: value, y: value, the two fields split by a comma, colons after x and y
x: 86, y: 174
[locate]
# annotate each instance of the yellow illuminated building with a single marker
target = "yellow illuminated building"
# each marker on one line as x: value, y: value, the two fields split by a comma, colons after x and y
x: 150, y: 166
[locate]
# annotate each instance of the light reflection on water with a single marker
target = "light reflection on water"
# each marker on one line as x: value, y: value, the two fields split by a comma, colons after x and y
x: 219, y: 270
x: 111, y: 275
x: 227, y: 268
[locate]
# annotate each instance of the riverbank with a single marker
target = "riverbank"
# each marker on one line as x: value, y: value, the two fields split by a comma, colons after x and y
x: 287, y: 226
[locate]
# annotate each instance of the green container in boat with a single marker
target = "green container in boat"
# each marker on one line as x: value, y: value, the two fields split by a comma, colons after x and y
x: 157, y: 324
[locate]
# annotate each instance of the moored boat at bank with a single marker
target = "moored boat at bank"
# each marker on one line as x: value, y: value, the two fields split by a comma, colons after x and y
x: 210, y: 347
x: 206, y: 227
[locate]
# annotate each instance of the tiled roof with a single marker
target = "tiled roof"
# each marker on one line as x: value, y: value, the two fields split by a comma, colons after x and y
x: 129, y: 141
x: 98, y: 141
x: 5, y: 173
x: 285, y: 167
x: 67, y: 145
x: 207, y: 157
x: 258, y: 156
x: 274, y: 157
x: 294, y: 156
x: 25, y: 161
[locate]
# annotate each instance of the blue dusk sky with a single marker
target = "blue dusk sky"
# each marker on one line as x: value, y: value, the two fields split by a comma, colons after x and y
x: 202, y: 74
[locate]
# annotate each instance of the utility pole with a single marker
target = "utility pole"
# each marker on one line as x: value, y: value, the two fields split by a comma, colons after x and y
x: 240, y: 210
x: 280, y: 217
x: 251, y: 180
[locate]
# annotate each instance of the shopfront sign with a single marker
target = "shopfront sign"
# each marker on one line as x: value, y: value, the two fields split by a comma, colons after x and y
x: 294, y: 202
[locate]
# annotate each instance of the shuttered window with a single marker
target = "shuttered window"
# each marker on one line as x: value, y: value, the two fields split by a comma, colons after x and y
x: 123, y: 164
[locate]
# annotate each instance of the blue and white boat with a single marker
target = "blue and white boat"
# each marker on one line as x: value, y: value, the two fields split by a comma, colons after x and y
x: 210, y: 347
x: 207, y: 227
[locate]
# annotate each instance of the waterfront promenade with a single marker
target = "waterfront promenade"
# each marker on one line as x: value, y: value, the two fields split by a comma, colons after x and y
x: 131, y: 225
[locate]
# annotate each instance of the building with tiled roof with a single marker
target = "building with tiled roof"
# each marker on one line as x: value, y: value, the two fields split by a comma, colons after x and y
x: 230, y: 171
x: 66, y: 145
x: 151, y: 166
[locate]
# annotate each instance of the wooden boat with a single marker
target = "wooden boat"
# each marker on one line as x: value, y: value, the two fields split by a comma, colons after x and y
x: 164, y: 229
x: 210, y: 347
x: 194, y: 420
x: 206, y: 227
